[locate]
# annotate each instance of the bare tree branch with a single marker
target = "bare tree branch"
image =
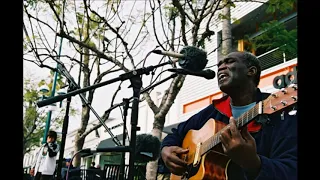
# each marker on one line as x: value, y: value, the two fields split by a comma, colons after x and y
x: 99, y: 54
x: 125, y: 44
x: 151, y: 104
x: 183, y: 16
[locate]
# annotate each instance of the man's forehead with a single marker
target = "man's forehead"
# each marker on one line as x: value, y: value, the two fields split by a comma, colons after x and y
x: 234, y: 55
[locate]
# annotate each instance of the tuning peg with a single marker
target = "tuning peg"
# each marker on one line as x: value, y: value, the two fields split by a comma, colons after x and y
x: 294, y: 98
x: 284, y: 91
x: 284, y: 102
x: 274, y: 95
x: 294, y: 86
x: 273, y: 107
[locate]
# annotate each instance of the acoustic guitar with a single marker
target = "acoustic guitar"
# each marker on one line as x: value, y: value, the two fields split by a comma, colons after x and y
x: 205, y: 158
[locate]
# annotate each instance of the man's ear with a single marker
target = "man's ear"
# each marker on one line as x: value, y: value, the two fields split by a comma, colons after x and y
x: 252, y: 71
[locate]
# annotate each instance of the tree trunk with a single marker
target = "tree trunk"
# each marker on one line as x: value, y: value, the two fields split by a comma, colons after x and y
x: 226, y: 30
x: 78, y: 146
x: 79, y: 139
x: 152, y: 166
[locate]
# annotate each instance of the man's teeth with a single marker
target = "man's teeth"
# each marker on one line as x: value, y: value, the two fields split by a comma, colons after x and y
x: 222, y: 76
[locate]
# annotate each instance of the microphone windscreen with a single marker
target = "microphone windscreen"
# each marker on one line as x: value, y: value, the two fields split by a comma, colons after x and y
x: 147, y: 148
x: 194, y: 58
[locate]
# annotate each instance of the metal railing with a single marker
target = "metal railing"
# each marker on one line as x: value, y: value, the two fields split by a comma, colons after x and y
x: 275, y: 57
x: 110, y: 172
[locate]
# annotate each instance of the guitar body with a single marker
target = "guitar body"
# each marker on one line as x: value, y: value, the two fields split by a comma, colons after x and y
x: 213, y: 164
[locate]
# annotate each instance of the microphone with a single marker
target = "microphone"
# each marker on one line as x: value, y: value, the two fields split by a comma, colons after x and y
x: 147, y: 148
x: 208, y: 73
x: 190, y: 57
x: 168, y: 53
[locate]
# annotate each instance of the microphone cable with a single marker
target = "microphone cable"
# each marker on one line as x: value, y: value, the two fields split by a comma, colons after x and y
x: 67, y: 175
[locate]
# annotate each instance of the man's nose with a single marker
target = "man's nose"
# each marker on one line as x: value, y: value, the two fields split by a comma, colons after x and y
x: 222, y: 66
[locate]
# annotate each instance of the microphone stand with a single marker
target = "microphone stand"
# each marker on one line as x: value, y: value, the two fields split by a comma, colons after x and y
x: 125, y: 113
x: 136, y: 84
x: 64, y: 132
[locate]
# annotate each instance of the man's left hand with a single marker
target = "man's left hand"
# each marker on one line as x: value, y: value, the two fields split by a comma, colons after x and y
x: 240, y: 146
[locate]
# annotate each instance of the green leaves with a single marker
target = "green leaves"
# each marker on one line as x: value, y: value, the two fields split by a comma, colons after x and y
x: 276, y: 35
x: 171, y: 12
x: 282, y: 5
x: 236, y: 21
x: 222, y: 16
x: 32, y: 116
x: 79, y: 17
x: 30, y: 95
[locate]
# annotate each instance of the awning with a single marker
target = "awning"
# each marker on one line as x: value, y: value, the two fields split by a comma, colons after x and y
x: 109, y: 142
x: 85, y: 154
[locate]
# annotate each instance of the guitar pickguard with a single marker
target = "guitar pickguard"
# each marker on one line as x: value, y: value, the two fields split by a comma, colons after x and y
x: 191, y: 171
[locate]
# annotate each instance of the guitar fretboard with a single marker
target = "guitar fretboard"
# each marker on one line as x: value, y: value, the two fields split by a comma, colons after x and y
x: 240, y: 121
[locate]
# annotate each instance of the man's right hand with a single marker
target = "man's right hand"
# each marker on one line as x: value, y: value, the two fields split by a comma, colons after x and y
x: 170, y: 156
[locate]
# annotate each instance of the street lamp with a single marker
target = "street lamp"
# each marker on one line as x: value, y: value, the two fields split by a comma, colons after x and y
x: 43, y: 90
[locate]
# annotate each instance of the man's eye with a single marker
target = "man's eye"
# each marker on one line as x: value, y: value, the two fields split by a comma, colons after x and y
x: 230, y: 61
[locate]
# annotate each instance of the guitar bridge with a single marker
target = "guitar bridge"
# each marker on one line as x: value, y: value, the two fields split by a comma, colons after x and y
x: 197, y: 157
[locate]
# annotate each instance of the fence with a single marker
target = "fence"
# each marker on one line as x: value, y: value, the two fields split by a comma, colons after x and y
x: 110, y: 172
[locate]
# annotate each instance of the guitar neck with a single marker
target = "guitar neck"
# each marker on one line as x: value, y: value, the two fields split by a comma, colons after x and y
x: 244, y: 119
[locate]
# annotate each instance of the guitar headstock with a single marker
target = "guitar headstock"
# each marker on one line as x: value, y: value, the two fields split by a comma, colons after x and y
x: 281, y: 99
